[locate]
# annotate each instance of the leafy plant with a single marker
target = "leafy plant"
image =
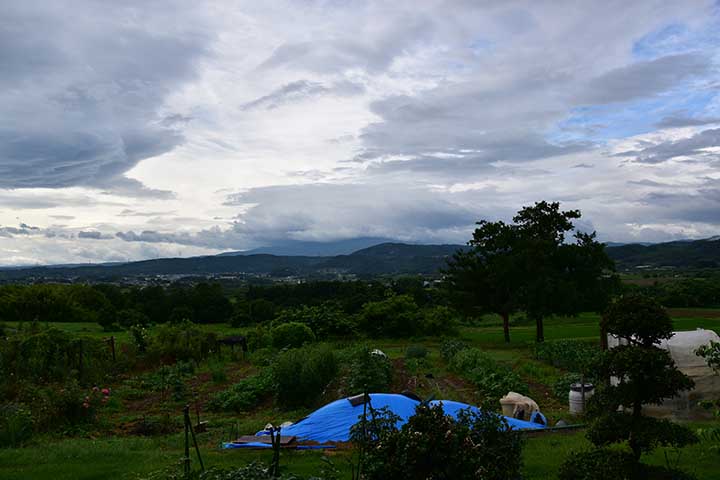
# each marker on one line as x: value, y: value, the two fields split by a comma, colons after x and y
x: 369, y: 370
x: 450, y: 347
x: 302, y: 374
x: 16, y: 425
x: 492, y: 379
x: 244, y: 395
x: 292, y: 335
x: 434, y: 445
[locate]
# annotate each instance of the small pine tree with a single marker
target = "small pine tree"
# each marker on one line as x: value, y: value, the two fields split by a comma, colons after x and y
x: 643, y: 374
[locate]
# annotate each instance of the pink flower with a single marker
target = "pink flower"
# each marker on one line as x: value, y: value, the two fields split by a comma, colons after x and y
x: 106, y: 391
x: 95, y: 388
x: 86, y: 405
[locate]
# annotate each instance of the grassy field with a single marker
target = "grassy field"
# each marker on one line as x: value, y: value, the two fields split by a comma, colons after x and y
x: 110, y: 451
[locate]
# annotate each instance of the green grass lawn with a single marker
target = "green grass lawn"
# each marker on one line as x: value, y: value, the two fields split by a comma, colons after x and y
x: 125, y: 458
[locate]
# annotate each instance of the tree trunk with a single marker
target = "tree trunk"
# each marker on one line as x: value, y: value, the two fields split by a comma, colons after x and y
x: 540, y: 335
x: 506, y: 326
x: 632, y: 441
x: 603, y: 339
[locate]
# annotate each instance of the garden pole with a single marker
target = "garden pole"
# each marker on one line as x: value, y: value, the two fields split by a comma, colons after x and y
x: 112, y: 346
x: 192, y: 433
x: 186, y: 460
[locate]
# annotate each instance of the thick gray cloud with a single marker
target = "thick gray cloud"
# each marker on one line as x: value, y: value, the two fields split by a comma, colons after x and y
x: 673, y: 149
x: 411, y: 120
x: 676, y: 121
x: 643, y: 79
x: 82, y: 97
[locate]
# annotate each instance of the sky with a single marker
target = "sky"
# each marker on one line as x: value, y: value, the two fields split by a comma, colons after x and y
x: 155, y: 128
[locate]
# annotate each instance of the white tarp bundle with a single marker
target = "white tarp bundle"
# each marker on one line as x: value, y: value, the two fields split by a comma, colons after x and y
x: 682, y: 347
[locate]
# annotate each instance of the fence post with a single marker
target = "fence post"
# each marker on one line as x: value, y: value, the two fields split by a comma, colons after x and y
x: 112, y: 346
x: 186, y: 460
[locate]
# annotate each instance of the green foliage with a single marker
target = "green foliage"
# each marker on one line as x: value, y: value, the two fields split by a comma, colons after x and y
x: 130, y: 317
x: 16, y: 425
x: 254, y: 470
x: 396, y: 316
x: 261, y: 311
x: 302, y: 374
x: 259, y: 337
x: 711, y: 354
x: 570, y: 355
x: 184, y: 341
x: 52, y: 355
x: 530, y: 266
x: 492, y: 379
x: 646, y: 375
x: 325, y: 320
x: 599, y: 464
x: 416, y: 351
x: 613, y: 464
x: 170, y: 379
x: 244, y: 395
x: 439, y: 320
x: 371, y: 372
x: 448, y: 348
x: 637, y: 318
x: 140, y: 337
x: 561, y: 388
x: 434, y: 445
x: 217, y: 371
x: 290, y: 335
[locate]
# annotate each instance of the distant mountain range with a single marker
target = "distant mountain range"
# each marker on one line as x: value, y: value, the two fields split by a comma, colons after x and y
x: 382, y: 259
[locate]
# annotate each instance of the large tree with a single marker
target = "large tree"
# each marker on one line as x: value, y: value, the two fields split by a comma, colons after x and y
x: 484, y: 277
x: 531, y: 265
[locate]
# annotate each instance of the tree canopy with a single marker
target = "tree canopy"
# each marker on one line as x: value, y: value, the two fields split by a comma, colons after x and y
x: 530, y: 265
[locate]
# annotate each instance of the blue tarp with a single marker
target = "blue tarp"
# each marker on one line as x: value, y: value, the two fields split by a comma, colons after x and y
x: 332, y: 422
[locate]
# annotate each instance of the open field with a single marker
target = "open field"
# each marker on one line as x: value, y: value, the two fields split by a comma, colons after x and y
x: 113, y: 450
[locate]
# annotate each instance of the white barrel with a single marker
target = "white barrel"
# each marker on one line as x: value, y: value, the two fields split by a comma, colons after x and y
x: 575, y: 397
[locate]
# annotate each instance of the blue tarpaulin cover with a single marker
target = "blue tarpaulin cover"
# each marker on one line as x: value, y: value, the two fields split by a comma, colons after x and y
x: 332, y: 422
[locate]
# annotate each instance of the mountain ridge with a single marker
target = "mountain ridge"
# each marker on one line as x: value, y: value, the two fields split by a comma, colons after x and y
x: 387, y: 258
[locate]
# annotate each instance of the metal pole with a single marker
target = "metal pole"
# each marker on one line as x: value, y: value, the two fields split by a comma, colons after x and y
x: 186, y: 460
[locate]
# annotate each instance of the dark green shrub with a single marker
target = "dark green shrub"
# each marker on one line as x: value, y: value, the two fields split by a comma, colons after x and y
x: 599, y: 464
x: 368, y: 370
x: 434, y: 445
x: 448, y: 348
x: 244, y: 395
x: 183, y: 341
x: 290, y: 335
x: 648, y: 376
x: 571, y: 355
x: 416, y: 351
x: 217, y: 372
x: 51, y: 355
x: 259, y: 337
x: 16, y: 425
x: 325, y: 320
x: 170, y: 379
x: 439, y: 320
x: 397, y: 316
x: 302, y: 374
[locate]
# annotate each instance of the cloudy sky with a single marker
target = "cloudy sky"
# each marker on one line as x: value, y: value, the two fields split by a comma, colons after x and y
x: 139, y: 129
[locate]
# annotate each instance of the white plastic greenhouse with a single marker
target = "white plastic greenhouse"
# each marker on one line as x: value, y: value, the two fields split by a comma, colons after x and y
x: 682, y: 347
